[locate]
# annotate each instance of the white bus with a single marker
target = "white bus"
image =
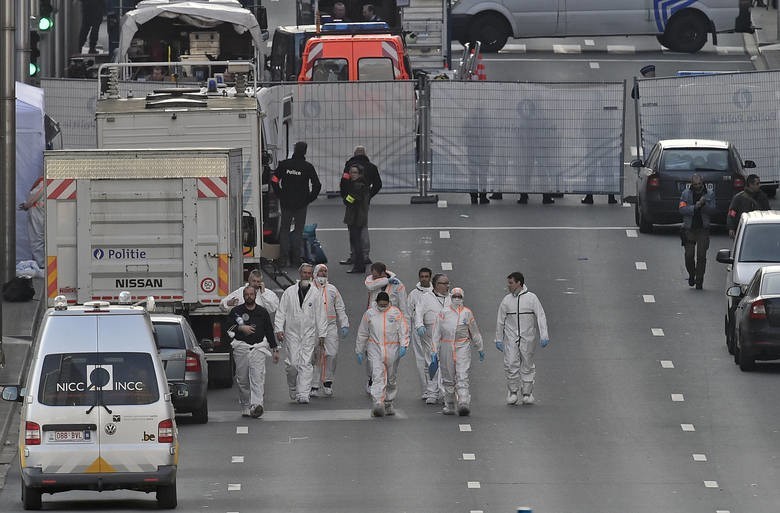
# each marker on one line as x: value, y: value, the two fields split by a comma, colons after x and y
x: 680, y: 25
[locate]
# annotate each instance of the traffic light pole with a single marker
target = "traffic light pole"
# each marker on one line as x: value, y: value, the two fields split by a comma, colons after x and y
x: 23, y: 41
x: 7, y: 146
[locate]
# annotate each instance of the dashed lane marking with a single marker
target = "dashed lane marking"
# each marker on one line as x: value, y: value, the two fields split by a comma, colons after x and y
x: 464, y: 427
x: 622, y: 49
x: 640, y: 266
x: 567, y: 49
x: 589, y: 42
x: 234, y: 487
x: 298, y: 416
x: 469, y: 456
x: 687, y: 427
x: 678, y: 398
x: 711, y: 484
x: 648, y: 298
x: 631, y: 233
x: 474, y: 484
x: 699, y: 457
x: 444, y: 234
x: 446, y: 266
x: 667, y: 364
x: 237, y: 459
x: 594, y: 65
x: 657, y: 332
x: 240, y: 430
x: 441, y: 203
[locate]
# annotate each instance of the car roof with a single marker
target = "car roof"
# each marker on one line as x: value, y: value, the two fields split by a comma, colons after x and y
x: 82, y: 310
x: 770, y: 269
x: 693, y: 143
x: 166, y: 317
x: 761, y: 216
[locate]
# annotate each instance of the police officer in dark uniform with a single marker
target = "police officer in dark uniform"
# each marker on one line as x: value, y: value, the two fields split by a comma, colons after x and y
x: 752, y: 198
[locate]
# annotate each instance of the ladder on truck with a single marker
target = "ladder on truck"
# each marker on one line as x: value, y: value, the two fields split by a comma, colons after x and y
x: 424, y: 24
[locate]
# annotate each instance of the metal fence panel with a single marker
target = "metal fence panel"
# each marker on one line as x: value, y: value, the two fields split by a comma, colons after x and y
x: 527, y: 137
x: 738, y: 107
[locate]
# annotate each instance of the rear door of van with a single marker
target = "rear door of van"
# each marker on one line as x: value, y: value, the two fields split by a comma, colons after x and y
x: 611, y: 17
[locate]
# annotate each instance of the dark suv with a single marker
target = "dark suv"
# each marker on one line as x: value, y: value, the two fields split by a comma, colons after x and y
x: 668, y: 170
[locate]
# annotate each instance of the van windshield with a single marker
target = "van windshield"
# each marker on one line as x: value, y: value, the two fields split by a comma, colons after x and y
x: 760, y: 243
x: 71, y: 379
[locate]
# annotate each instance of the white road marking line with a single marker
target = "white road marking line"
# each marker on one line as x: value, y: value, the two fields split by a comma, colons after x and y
x: 667, y: 364
x: 657, y: 332
x: 444, y: 234
x: 723, y: 511
x: 711, y: 484
x: 631, y: 233
x: 648, y: 298
x: 589, y: 42
x: 567, y: 49
x: 621, y: 49
x: 687, y: 427
x: 474, y: 484
x: 469, y: 456
x: 699, y: 457
x: 234, y: 487
x: 514, y: 48
x: 730, y: 50
x: 626, y: 205
x: 476, y: 511
x: 242, y: 430
x: 237, y: 459
x: 291, y: 439
x: 482, y: 228
x: 594, y: 65
x: 640, y: 266
x: 464, y: 427
x: 442, y: 204
x: 446, y: 266
x: 678, y: 398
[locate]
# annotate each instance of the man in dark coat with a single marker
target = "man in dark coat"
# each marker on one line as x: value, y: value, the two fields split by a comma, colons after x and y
x: 748, y: 200
x: 370, y: 175
x: 356, y: 196
x: 296, y: 184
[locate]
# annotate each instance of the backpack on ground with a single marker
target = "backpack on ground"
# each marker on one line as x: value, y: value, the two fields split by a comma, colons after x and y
x: 18, y: 289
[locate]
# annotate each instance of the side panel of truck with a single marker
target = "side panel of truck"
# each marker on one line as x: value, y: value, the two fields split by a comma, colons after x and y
x: 163, y: 223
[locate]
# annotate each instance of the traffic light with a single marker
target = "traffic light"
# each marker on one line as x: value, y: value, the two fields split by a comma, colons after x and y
x: 35, y: 53
x: 45, y: 15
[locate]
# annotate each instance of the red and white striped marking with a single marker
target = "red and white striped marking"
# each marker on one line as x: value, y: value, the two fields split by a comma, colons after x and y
x: 212, y: 187
x: 61, y: 189
x: 314, y: 54
x: 388, y: 50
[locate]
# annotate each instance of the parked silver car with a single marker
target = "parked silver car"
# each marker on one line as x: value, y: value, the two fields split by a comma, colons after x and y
x: 185, y: 364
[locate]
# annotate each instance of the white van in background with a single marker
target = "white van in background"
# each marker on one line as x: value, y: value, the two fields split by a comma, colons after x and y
x: 680, y: 25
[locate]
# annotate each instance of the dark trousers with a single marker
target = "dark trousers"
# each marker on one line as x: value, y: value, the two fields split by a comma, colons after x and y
x: 697, y: 241
x: 91, y: 18
x: 296, y: 217
x: 356, y: 246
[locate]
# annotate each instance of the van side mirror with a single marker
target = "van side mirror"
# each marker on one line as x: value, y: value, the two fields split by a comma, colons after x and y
x: 636, y: 163
x: 735, y: 291
x: 12, y: 393
x: 724, y: 256
x: 749, y: 164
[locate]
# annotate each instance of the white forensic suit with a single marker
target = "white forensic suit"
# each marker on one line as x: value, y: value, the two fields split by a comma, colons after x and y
x: 268, y: 299
x: 325, y: 357
x: 35, y: 220
x: 453, y: 333
x: 397, y: 293
x: 426, y: 311
x: 303, y: 324
x: 519, y: 315
x: 380, y: 336
x: 422, y: 355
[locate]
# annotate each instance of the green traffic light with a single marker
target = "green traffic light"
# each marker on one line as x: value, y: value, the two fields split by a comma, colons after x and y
x: 34, y: 69
x: 45, y: 24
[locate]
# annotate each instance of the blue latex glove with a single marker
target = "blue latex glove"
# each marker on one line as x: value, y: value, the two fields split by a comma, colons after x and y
x: 482, y: 356
x: 500, y: 345
x: 434, y: 366
x: 344, y: 331
x: 394, y: 280
x: 401, y: 352
x: 544, y: 342
x: 359, y: 358
x: 421, y: 331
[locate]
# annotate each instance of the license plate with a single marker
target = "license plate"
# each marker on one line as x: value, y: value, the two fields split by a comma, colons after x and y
x: 84, y: 436
x: 681, y: 186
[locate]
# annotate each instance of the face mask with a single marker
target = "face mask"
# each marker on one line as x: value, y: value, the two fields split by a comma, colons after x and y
x: 382, y: 308
x: 305, y: 283
x: 457, y: 301
x: 322, y: 280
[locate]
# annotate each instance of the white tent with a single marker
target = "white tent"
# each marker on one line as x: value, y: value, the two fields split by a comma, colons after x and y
x: 30, y: 143
x: 203, y: 14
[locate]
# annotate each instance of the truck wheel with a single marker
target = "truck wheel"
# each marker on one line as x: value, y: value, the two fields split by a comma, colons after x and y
x: 201, y: 415
x: 31, y: 498
x: 687, y: 32
x: 492, y: 30
x: 166, y: 496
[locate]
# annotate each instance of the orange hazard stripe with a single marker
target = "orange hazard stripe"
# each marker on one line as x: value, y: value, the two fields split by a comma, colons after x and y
x: 51, y: 276
x: 222, y: 275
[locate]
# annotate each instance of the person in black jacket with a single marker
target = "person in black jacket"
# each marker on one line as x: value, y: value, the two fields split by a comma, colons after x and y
x: 356, y: 195
x: 748, y: 200
x: 296, y: 184
x: 371, y: 176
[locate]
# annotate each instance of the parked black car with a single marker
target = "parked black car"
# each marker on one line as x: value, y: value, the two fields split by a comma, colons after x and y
x: 667, y: 172
x: 758, y: 318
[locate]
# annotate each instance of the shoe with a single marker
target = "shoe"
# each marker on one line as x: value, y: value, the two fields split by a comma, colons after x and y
x: 587, y: 200
x: 346, y: 261
x: 474, y: 199
x: 463, y: 410
x: 611, y: 199
x: 430, y: 400
x: 92, y: 50
x: 511, y: 397
x: 483, y: 200
x: 315, y: 392
x: 389, y: 410
x: 699, y: 286
x: 691, y: 281
x: 378, y: 410
x: 257, y: 411
x: 327, y: 389
x: 449, y: 409
x: 293, y: 394
x: 246, y: 412
x: 302, y: 399
x: 523, y: 199
x: 528, y: 399
x: 547, y: 200
x: 356, y: 271
x: 497, y: 195
x: 368, y: 385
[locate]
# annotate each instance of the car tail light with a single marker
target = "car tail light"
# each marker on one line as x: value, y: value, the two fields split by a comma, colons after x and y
x: 192, y: 363
x: 267, y: 233
x: 216, y: 333
x: 738, y: 182
x: 758, y: 310
x: 32, y: 433
x: 165, y: 432
x: 653, y: 182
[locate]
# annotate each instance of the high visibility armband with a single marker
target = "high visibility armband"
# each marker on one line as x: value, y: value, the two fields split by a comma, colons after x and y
x: 350, y: 198
x: 683, y: 204
x: 345, y: 176
x: 732, y: 213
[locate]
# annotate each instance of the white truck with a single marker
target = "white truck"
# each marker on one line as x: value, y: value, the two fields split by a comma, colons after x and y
x: 156, y: 222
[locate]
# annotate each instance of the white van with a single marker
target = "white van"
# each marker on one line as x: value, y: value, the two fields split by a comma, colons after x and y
x: 680, y: 25
x: 96, y: 413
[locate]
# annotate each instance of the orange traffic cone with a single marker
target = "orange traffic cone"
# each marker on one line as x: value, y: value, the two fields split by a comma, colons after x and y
x: 481, y: 75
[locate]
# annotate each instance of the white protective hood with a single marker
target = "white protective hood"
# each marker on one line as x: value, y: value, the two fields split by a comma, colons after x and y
x: 203, y: 14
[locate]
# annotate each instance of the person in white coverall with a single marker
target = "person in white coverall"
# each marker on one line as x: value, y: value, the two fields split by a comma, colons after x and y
x: 422, y: 355
x: 35, y: 219
x: 519, y: 315
x: 265, y: 297
x: 426, y: 310
x: 301, y: 323
x: 338, y: 327
x: 384, y: 336
x: 454, y: 331
x: 382, y: 280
